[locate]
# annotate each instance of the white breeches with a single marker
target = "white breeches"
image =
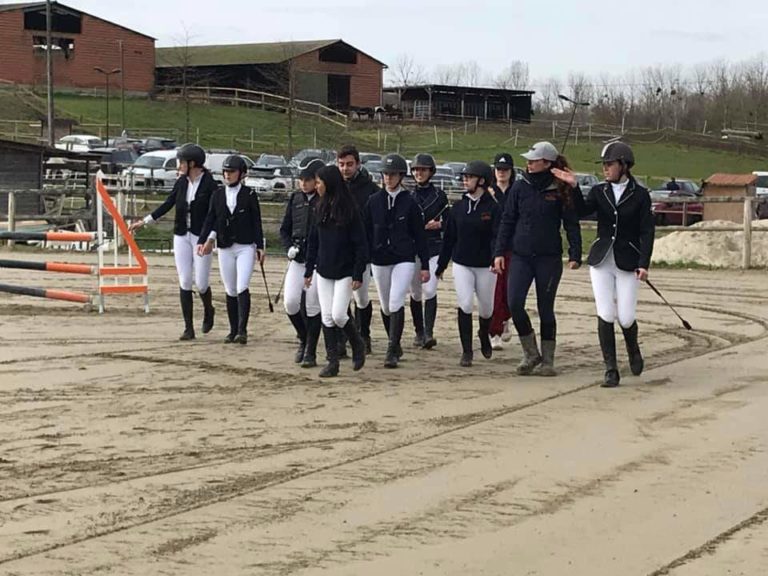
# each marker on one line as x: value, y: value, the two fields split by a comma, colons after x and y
x: 294, y: 288
x: 426, y: 291
x: 361, y: 295
x: 334, y: 296
x: 470, y: 282
x: 615, y: 292
x: 236, y: 266
x: 392, y: 284
x: 189, y: 264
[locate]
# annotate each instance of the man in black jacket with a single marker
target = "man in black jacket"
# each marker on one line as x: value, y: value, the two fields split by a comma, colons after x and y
x: 362, y: 188
x: 191, y: 196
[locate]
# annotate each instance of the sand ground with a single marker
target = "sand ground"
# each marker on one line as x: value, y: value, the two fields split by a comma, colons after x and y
x: 124, y: 451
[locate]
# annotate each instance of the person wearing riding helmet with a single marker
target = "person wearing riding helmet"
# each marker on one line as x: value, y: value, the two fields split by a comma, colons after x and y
x: 433, y: 203
x: 536, y: 208
x: 294, y: 232
x: 337, y: 253
x: 471, y: 230
x: 396, y: 237
x: 191, y: 195
x: 620, y: 257
x: 362, y: 187
x: 234, y: 223
x: 503, y: 166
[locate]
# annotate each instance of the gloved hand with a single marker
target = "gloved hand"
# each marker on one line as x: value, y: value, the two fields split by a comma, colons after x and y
x: 293, y: 251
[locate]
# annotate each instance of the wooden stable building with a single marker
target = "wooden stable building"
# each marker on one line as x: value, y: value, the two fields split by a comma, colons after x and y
x: 80, y: 43
x: 727, y: 185
x: 330, y: 72
x: 435, y: 101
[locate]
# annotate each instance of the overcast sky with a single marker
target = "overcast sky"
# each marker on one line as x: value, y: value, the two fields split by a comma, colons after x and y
x: 554, y: 37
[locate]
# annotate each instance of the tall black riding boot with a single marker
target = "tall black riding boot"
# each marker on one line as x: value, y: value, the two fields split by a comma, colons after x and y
x: 313, y: 335
x: 243, y: 312
x: 185, y: 296
x: 357, y: 344
x: 607, y: 338
x: 485, y: 338
x: 341, y: 338
x: 363, y: 320
x: 636, y: 362
x: 430, y: 315
x: 417, y: 314
x: 331, y: 351
x: 394, y: 350
x: 301, y: 331
x: 465, y: 335
x: 208, y: 310
x: 232, y: 316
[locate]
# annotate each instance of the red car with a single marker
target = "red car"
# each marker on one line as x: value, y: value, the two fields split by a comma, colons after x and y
x: 671, y: 213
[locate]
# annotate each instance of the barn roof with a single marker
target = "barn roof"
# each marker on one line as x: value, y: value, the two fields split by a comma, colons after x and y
x: 234, y: 54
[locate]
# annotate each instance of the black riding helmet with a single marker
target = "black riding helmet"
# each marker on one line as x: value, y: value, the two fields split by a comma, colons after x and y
x: 235, y: 162
x: 480, y: 169
x: 618, y: 151
x: 191, y: 153
x: 310, y: 170
x: 424, y: 161
x: 394, y: 164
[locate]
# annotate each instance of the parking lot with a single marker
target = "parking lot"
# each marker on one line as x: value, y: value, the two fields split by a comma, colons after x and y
x: 124, y: 451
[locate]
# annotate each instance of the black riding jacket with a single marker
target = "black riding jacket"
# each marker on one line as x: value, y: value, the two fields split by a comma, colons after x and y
x: 627, y: 227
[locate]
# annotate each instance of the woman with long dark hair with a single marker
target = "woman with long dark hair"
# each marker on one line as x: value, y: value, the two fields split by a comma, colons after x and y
x: 337, y: 251
x: 535, y: 209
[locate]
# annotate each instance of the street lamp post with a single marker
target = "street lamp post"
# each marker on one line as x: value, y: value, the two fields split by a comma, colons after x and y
x: 106, y: 86
x: 573, y: 114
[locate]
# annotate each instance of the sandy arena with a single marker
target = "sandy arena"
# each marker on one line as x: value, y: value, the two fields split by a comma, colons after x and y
x: 126, y: 452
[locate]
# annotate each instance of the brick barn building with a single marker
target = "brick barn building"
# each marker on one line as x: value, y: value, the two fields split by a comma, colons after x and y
x: 330, y: 72
x: 80, y: 42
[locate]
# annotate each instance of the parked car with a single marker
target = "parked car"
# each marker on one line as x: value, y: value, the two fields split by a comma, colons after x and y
x: 304, y: 156
x: 270, y: 161
x: 373, y: 167
x: 270, y: 186
x: 366, y: 157
x: 444, y: 177
x: 154, y: 143
x: 761, y: 185
x: 79, y: 142
x: 586, y: 181
x: 688, y: 186
x: 667, y: 213
x: 159, y: 168
x: 115, y: 160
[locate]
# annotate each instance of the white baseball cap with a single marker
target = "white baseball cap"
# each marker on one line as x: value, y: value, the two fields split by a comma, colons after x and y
x: 542, y: 151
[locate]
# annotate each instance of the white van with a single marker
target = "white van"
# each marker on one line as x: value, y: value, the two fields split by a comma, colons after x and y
x: 761, y: 186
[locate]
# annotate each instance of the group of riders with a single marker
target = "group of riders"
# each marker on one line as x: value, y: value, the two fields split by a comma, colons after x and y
x: 340, y: 230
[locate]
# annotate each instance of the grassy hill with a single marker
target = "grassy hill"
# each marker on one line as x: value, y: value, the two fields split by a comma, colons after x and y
x: 253, y: 131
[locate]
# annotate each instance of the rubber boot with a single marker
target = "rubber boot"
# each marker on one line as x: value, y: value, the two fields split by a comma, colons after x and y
x: 232, y: 316
x: 417, y: 314
x: 185, y: 296
x: 430, y: 315
x: 301, y: 332
x: 394, y: 350
x: 636, y: 362
x: 331, y: 351
x: 531, y: 356
x: 357, y: 344
x: 465, y: 335
x: 243, y: 312
x: 208, y: 310
x: 547, y: 366
x: 313, y: 335
x: 485, y: 339
x: 363, y: 318
x: 607, y: 338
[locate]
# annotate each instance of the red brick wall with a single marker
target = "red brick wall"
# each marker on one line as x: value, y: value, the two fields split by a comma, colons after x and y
x: 366, y: 76
x: 95, y: 46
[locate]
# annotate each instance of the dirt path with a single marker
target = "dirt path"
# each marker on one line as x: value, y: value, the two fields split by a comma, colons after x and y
x: 124, y: 451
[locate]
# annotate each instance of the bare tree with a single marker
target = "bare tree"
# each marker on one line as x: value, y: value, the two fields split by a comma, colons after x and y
x: 473, y: 73
x: 406, y: 71
x: 514, y: 77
